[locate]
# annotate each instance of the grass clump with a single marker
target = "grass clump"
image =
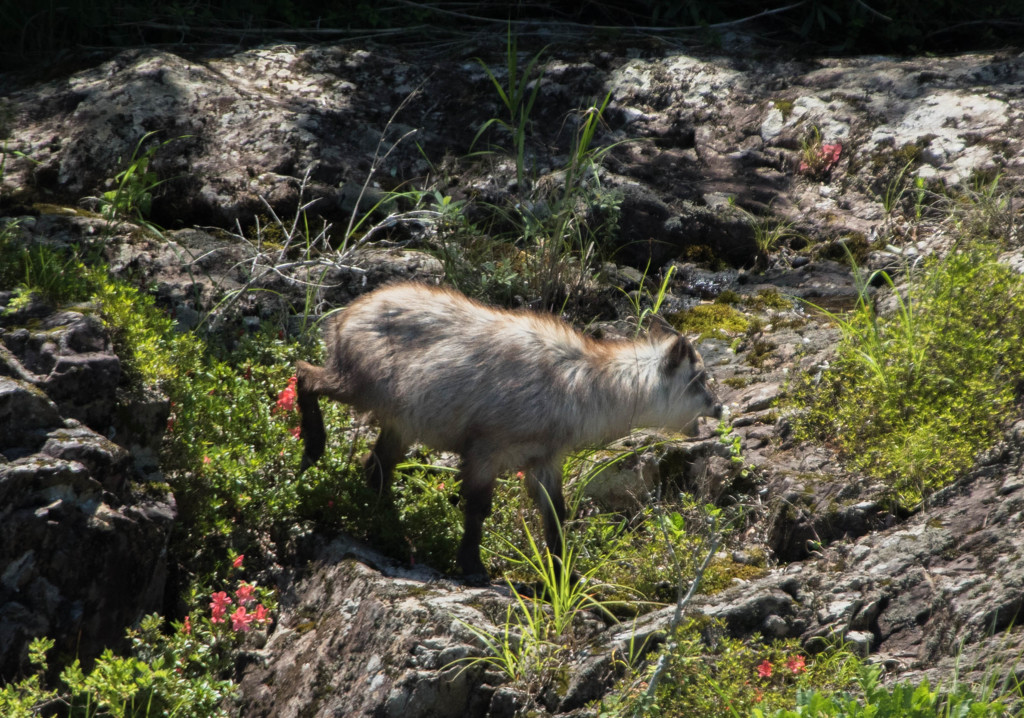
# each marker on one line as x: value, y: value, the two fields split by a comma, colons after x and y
x: 912, y: 397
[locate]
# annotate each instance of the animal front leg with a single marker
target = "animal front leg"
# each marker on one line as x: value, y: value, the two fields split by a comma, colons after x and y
x: 478, y: 497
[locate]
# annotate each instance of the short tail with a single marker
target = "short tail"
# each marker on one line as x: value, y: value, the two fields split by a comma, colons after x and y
x: 314, y: 436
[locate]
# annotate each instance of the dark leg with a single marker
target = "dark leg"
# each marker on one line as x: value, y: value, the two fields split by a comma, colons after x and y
x: 379, y: 464
x: 545, y: 487
x: 477, y: 495
x: 308, y: 390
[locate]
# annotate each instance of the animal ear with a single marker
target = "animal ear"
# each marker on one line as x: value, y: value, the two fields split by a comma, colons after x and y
x: 659, y: 327
x: 680, y: 350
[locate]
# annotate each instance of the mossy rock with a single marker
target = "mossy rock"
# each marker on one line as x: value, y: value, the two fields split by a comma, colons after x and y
x: 709, y: 320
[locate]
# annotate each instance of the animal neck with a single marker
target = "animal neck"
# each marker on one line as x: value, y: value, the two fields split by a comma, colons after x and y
x: 625, y: 392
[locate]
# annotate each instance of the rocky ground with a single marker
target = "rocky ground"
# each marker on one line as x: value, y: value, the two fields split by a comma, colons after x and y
x: 82, y: 555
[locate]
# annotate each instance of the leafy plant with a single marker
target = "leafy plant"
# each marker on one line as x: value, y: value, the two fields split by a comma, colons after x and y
x: 538, y: 630
x: 173, y: 674
x: 768, y: 234
x: 518, y: 99
x: 817, y: 158
x: 912, y: 397
x: 132, y: 196
x: 700, y: 670
x: 902, y: 700
x: 643, y: 296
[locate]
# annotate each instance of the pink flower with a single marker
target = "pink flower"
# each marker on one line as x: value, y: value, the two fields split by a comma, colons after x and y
x: 237, y: 563
x: 218, y: 606
x: 244, y: 593
x: 796, y: 664
x: 207, y: 459
x: 262, y: 615
x: 764, y: 669
x: 286, y: 399
x: 186, y: 627
x: 827, y: 156
x: 296, y: 432
x: 240, y: 620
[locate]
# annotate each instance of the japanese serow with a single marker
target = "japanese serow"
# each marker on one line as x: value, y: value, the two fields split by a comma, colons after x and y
x: 506, y: 390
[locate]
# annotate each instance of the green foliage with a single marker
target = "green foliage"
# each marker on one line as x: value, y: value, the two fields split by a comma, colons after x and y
x: 701, y: 671
x: 902, y: 700
x: 913, y: 397
x: 642, y: 302
x: 546, y: 243
x: 537, y: 634
x: 518, y: 98
x: 166, y: 674
x: 132, y: 196
x: 56, y: 275
x: 19, y: 700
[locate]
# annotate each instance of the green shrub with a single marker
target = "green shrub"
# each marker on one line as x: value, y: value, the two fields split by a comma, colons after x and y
x: 902, y: 700
x: 913, y: 397
x: 166, y: 674
x: 701, y: 671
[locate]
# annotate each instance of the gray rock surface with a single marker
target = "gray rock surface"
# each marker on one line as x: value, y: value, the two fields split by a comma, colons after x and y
x: 81, y: 556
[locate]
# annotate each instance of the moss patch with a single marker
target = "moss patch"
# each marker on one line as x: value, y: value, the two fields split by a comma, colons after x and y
x: 709, y: 320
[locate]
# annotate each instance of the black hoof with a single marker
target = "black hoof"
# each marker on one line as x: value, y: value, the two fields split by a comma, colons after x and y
x: 476, y: 579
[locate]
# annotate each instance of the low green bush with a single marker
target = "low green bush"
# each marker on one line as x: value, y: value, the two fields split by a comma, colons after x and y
x: 902, y: 700
x: 701, y: 671
x: 914, y: 396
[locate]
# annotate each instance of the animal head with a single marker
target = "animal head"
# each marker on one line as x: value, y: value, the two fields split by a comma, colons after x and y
x: 688, y: 387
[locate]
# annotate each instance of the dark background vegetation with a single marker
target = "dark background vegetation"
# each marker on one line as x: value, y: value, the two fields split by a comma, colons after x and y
x: 37, y: 35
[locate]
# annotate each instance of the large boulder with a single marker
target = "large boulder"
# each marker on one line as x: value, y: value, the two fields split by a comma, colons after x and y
x: 82, y: 554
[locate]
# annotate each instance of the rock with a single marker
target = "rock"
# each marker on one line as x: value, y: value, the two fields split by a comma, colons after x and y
x: 70, y: 356
x: 25, y: 414
x: 81, y: 557
x: 626, y: 484
x: 77, y: 569
x: 373, y: 640
x: 919, y: 593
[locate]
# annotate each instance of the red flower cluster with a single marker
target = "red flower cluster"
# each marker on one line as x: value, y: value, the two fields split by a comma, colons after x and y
x: 241, y: 619
x: 796, y: 665
x: 286, y: 399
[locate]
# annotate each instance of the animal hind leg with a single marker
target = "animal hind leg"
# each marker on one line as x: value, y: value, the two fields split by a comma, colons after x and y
x: 379, y: 464
x: 545, y: 487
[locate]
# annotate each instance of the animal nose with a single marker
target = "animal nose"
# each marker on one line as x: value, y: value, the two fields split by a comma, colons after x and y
x: 720, y: 412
